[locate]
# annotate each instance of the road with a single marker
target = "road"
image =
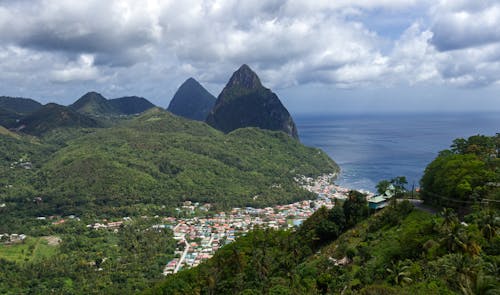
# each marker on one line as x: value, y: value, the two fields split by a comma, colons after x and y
x: 419, y: 204
x: 183, y: 255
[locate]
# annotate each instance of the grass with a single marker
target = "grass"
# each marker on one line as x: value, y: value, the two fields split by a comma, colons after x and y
x: 32, y: 249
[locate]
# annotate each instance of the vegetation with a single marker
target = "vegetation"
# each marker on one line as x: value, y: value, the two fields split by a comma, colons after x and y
x: 130, y: 105
x: 150, y: 161
x: 397, y: 251
x: 85, y: 260
x: 19, y: 105
x: 244, y: 102
x: 52, y: 116
x: 467, y: 174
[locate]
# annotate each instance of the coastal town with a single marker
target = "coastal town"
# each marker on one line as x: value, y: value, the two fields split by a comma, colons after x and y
x: 198, y: 238
x: 201, y: 232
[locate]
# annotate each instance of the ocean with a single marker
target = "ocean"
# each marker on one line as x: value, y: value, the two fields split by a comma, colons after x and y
x: 373, y: 147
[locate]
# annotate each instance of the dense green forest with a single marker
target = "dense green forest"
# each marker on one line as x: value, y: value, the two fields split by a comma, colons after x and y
x: 72, y: 259
x: 466, y: 174
x: 149, y: 162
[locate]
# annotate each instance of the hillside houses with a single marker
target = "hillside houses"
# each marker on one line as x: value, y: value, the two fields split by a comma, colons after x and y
x: 199, y: 237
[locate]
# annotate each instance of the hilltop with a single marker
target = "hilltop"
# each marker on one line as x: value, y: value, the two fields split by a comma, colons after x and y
x: 244, y: 102
x: 130, y: 105
x: 94, y: 104
x: 192, y: 101
x: 53, y: 116
x: 19, y: 105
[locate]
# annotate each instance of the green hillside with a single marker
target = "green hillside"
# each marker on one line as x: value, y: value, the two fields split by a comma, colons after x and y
x: 53, y: 116
x: 8, y: 119
x: 94, y: 104
x: 19, y: 105
x: 398, y: 251
x: 158, y: 159
x: 162, y: 159
x: 130, y: 105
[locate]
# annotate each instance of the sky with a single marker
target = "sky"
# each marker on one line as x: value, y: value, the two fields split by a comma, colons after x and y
x: 319, y: 56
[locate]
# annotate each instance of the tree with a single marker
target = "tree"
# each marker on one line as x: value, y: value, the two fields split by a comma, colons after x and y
x: 355, y: 208
x: 399, y: 273
x: 382, y: 186
x: 399, y: 184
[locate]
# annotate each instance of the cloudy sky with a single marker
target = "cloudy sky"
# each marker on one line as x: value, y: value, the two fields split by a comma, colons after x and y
x: 319, y: 56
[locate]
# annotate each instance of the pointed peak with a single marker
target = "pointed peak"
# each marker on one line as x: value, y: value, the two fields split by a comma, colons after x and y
x: 191, y: 81
x: 245, y: 77
x: 93, y: 94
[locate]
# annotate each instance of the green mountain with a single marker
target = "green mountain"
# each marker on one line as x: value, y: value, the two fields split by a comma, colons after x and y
x: 192, y: 101
x: 53, y: 116
x: 94, y: 104
x: 244, y: 102
x: 8, y: 119
x: 19, y: 105
x: 130, y: 105
x: 159, y: 158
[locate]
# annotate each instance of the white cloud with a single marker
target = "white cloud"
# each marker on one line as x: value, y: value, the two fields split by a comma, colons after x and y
x: 148, y: 47
x: 82, y: 70
x: 463, y: 24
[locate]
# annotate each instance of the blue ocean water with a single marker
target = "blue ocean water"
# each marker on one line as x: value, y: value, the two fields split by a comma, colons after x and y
x: 373, y: 147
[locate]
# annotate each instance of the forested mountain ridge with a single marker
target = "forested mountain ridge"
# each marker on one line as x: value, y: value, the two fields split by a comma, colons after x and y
x: 93, y: 103
x: 19, y: 105
x: 130, y: 105
x: 53, y: 116
x: 244, y: 102
x: 161, y: 159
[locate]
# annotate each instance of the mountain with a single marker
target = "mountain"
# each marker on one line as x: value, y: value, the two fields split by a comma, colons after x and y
x: 160, y: 158
x: 19, y: 105
x: 130, y: 105
x: 192, y: 101
x: 244, y: 102
x: 94, y: 104
x: 8, y: 118
x: 52, y: 116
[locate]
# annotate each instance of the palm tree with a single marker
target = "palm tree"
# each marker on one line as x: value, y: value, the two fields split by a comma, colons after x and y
x: 399, y: 272
x: 462, y: 270
x: 450, y: 218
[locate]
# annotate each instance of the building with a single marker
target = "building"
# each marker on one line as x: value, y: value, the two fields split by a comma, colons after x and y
x: 377, y: 202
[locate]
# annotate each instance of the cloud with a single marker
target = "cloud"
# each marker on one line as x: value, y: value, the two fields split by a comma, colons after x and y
x: 465, y: 24
x: 83, y: 70
x: 111, y: 30
x: 149, y: 47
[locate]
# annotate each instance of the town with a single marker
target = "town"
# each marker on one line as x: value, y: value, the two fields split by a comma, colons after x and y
x: 202, y: 231
x: 199, y: 237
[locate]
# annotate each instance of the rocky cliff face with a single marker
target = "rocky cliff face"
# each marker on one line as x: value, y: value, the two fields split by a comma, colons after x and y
x: 244, y: 102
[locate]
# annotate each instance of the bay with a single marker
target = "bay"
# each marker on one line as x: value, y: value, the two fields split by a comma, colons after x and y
x: 373, y: 147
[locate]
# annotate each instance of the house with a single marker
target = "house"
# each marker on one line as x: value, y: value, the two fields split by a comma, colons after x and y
x: 377, y: 202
